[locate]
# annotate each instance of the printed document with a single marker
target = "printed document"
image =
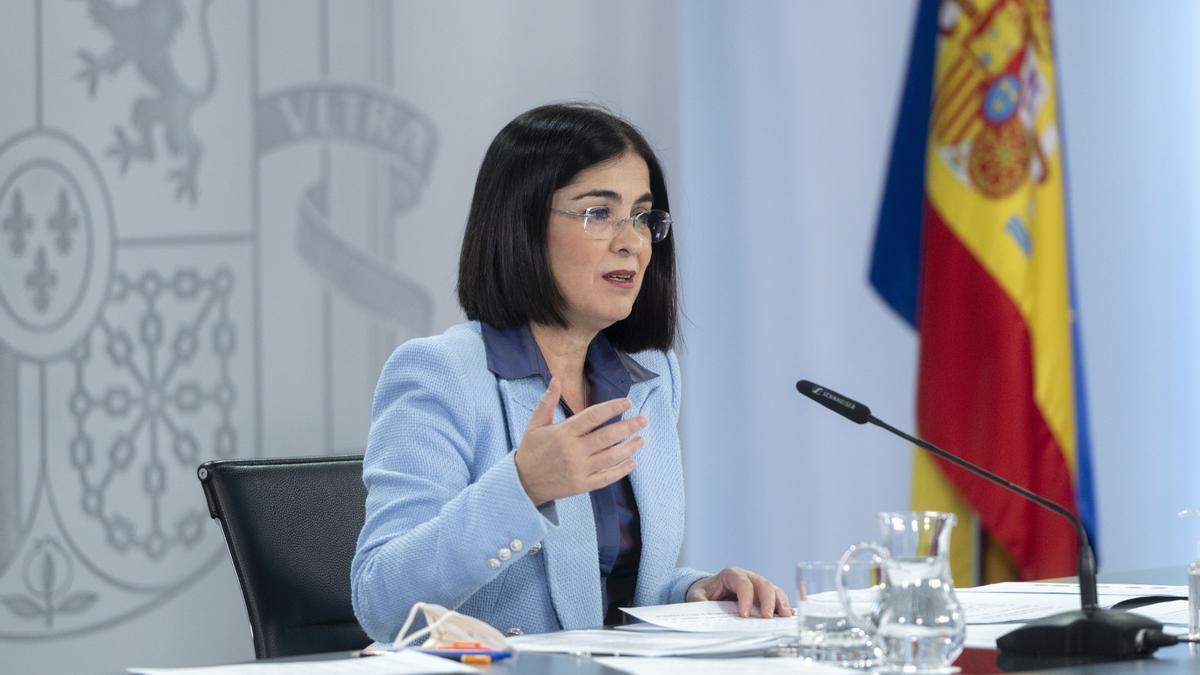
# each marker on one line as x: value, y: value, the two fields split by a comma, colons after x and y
x: 711, y: 617
x: 598, y: 641
x: 1012, y: 602
x: 694, y: 666
x: 391, y: 663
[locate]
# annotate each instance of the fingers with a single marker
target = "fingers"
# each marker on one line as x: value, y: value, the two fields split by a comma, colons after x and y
x: 615, y: 455
x: 561, y: 460
x: 698, y: 591
x: 606, y: 436
x: 744, y: 588
x: 610, y: 475
x: 748, y: 589
x: 783, y: 606
x: 765, y: 591
x: 543, y: 412
x: 593, y: 416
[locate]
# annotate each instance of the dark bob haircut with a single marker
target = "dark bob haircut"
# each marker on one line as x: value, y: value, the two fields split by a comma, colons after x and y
x: 504, y: 275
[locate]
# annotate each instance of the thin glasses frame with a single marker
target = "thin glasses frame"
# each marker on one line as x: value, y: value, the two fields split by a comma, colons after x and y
x: 615, y: 224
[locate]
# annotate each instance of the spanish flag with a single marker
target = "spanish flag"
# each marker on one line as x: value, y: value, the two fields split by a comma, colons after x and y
x: 972, y: 249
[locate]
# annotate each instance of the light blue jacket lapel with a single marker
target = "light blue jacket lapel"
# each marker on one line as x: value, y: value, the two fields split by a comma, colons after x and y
x: 655, y: 513
x: 572, y: 560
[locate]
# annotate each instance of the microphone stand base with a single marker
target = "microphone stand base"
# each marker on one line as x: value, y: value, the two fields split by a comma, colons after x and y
x: 1102, y: 635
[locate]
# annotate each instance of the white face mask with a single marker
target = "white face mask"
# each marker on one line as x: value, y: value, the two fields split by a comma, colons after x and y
x: 445, y: 627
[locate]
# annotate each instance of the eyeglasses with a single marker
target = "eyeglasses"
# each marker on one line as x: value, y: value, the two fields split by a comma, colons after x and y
x: 600, y: 223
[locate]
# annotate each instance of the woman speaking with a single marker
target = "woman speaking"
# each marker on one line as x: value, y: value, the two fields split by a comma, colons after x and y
x: 524, y: 467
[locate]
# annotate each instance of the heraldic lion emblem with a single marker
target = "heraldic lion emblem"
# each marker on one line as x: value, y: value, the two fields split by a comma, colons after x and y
x: 142, y: 36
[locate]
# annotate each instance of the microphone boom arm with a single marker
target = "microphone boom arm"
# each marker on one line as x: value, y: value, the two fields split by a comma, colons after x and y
x: 1091, y: 632
x: 1087, y: 559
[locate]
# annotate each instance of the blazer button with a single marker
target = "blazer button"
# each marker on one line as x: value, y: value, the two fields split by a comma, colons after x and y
x: 513, y: 632
x: 516, y: 545
x: 504, y: 554
x: 493, y: 564
x: 535, y: 549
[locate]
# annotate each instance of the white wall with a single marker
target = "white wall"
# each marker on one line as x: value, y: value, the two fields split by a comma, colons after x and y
x: 1133, y: 147
x: 787, y: 120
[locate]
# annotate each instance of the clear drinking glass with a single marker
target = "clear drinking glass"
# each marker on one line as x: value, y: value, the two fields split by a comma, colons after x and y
x: 826, y: 634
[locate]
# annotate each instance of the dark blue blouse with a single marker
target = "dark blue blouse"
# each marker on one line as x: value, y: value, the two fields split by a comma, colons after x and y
x: 512, y: 353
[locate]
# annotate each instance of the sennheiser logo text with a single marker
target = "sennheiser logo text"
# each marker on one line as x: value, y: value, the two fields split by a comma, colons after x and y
x: 835, y: 398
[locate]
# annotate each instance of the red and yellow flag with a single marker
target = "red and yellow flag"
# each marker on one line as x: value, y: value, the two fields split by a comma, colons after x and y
x: 998, y: 378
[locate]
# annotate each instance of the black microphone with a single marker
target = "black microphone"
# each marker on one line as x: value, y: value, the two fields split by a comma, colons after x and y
x: 851, y: 410
x: 1088, y: 632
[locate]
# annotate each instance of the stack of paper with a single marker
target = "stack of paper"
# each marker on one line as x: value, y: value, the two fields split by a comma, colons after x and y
x: 714, y: 628
x: 686, y: 629
x: 406, y: 662
x: 711, y: 617
x: 996, y: 609
x: 760, y: 666
x: 642, y: 643
x: 1024, y: 601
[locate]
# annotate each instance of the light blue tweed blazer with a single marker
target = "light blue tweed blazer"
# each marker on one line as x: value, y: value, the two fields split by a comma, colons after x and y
x: 444, y: 502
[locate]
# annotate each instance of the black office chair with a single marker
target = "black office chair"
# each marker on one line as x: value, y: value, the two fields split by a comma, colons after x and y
x: 291, y: 526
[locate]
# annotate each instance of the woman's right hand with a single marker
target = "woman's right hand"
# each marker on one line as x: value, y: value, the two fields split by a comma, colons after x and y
x: 576, y: 455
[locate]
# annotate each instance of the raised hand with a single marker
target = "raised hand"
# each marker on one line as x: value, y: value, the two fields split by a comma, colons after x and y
x: 576, y: 455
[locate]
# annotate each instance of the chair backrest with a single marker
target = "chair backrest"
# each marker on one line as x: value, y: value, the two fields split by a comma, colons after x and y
x: 292, y: 526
